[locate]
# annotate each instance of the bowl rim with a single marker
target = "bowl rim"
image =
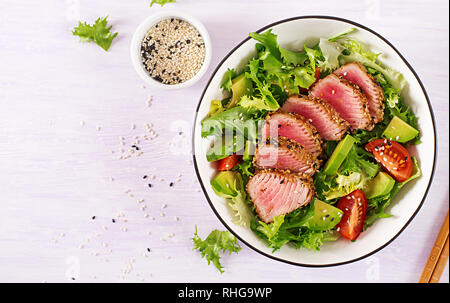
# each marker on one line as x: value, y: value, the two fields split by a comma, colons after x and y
x: 142, y: 29
x: 327, y: 17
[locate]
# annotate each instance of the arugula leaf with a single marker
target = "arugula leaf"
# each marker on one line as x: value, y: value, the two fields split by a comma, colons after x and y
x: 98, y: 32
x: 215, y: 242
x: 161, y: 2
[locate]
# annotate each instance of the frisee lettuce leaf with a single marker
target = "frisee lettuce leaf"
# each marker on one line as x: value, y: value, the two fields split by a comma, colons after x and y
x: 215, y: 242
x: 99, y: 32
x: 359, y: 161
x: 330, y: 54
x: 229, y: 75
x: 279, y: 232
x: 161, y: 2
x: 230, y: 185
x: 346, y: 184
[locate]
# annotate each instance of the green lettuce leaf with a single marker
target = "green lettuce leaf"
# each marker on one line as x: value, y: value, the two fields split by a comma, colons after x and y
x: 99, y: 32
x: 358, y: 160
x: 243, y: 120
x: 215, y: 242
x: 215, y: 108
x: 330, y: 53
x: 229, y: 75
x: 346, y: 184
x: 161, y: 2
x: 360, y: 53
x: 229, y: 184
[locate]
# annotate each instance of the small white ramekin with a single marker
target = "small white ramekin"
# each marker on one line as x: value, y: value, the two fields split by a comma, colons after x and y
x: 139, y: 35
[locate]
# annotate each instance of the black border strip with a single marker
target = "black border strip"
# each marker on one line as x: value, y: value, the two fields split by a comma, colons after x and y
x: 429, y: 106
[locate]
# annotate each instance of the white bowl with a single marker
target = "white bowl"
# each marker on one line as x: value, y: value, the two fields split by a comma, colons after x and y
x: 139, y: 35
x: 293, y: 33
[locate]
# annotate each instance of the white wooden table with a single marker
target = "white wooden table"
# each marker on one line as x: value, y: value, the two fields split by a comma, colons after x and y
x: 56, y: 173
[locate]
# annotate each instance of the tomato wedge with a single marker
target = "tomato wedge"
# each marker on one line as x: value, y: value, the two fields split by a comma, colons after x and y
x: 354, y: 206
x: 394, y: 158
x: 228, y: 163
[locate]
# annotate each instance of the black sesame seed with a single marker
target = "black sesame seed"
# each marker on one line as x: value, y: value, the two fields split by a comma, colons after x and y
x: 93, y: 218
x: 149, y: 185
x: 171, y: 184
x: 113, y: 221
x: 282, y: 181
x: 148, y: 249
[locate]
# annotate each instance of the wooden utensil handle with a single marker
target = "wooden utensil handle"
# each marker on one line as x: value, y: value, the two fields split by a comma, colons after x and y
x: 435, y: 253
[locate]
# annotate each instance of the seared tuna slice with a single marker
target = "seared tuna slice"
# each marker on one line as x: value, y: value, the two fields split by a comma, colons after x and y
x: 285, y: 154
x: 346, y: 98
x: 293, y: 127
x: 320, y: 114
x: 356, y: 73
x: 277, y: 192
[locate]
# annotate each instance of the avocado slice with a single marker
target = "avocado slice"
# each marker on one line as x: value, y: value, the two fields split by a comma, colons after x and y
x: 381, y: 185
x: 338, y: 156
x: 240, y: 86
x: 249, y: 151
x: 322, y: 216
x: 223, y: 184
x: 225, y: 146
x: 400, y: 131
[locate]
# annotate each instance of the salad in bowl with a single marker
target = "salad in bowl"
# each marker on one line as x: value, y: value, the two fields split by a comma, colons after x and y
x: 310, y: 146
